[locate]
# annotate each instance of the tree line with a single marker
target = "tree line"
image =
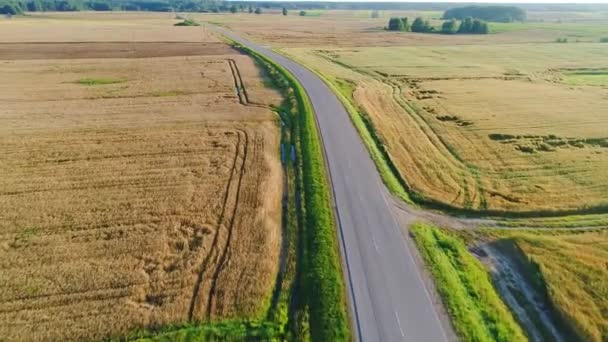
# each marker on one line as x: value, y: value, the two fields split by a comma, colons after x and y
x: 420, y: 25
x: 505, y: 14
x: 20, y: 6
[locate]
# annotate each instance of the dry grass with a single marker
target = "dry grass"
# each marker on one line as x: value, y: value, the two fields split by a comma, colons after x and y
x: 441, y: 112
x: 135, y: 204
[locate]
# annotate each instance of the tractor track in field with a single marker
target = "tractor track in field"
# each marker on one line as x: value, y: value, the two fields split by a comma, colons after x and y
x: 225, y: 253
x: 214, y: 253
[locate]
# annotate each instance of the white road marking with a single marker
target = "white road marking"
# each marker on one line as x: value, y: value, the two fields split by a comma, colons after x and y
x: 399, y: 324
x: 375, y: 244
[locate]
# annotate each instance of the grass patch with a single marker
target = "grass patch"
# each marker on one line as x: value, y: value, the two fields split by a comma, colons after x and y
x: 100, y: 81
x: 477, y: 311
x: 592, y: 77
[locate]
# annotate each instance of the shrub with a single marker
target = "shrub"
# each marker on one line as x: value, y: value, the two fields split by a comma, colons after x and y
x: 258, y: 10
x: 420, y: 25
x: 302, y: 13
x: 188, y: 22
x: 561, y: 40
x: 398, y: 24
x: 604, y: 40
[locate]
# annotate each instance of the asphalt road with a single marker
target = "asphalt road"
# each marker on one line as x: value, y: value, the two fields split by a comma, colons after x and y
x: 388, y: 297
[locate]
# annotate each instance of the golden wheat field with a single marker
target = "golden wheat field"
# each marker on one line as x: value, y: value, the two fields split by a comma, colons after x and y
x: 483, y: 126
x: 138, y: 187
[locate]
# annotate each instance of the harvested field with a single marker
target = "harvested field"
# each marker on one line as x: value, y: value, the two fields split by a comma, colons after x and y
x: 136, y: 192
x: 100, y: 27
x: 12, y: 51
x: 483, y: 127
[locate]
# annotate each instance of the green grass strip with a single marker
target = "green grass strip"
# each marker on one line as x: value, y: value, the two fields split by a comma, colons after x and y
x: 477, y: 311
x: 230, y: 330
x: 100, y: 81
x: 325, y: 285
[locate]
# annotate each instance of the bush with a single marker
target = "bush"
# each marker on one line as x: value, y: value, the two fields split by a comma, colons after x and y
x: 604, y: 40
x: 561, y: 40
x: 258, y: 10
x: 302, y: 13
x: 470, y: 26
x: 420, y: 25
x: 449, y: 27
x: 188, y: 22
x: 398, y: 24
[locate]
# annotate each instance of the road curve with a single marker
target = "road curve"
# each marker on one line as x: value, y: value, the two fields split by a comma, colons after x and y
x: 388, y: 298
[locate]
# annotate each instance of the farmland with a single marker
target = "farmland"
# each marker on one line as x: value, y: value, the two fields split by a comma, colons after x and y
x: 138, y: 188
x: 459, y: 116
x: 510, y: 124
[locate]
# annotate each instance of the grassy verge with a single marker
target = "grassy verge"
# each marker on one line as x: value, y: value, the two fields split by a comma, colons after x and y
x: 323, y: 283
x: 476, y: 309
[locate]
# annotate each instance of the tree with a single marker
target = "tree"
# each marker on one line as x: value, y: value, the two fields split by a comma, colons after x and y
x: 34, y: 6
x: 406, y: 24
x: 250, y: 9
x: 466, y: 26
x: 449, y: 27
x: 395, y: 24
x: 488, y: 13
x: 10, y: 9
x: 258, y: 11
x: 485, y: 29
x: 284, y: 11
x: 302, y: 13
x: 476, y: 27
x: 233, y: 9
x: 419, y: 25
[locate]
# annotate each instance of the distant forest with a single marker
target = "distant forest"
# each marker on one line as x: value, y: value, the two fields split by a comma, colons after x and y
x: 20, y: 6
x: 505, y: 14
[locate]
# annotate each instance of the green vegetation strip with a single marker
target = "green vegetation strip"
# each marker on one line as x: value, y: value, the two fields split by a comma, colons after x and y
x: 100, y: 81
x: 214, y: 331
x: 477, y: 312
x: 324, y: 283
